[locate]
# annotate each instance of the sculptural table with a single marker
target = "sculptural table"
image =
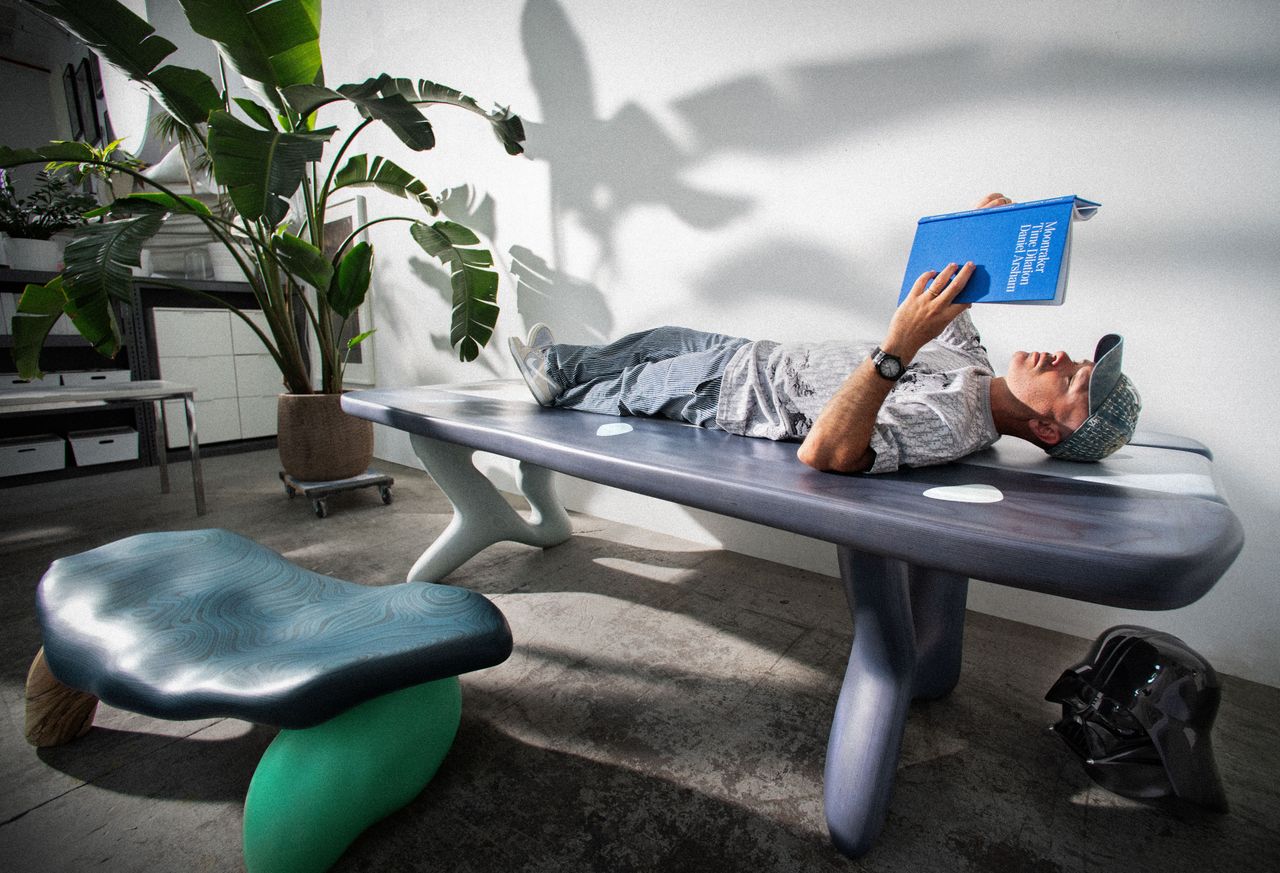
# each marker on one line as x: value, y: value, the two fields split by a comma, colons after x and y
x: 1145, y: 529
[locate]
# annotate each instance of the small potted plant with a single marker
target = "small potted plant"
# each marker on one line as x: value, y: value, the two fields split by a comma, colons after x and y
x: 29, y: 223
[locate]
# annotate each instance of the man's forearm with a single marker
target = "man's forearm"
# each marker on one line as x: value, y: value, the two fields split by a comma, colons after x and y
x: 840, y: 439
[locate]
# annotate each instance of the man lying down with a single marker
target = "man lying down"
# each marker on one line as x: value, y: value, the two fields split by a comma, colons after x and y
x: 925, y: 394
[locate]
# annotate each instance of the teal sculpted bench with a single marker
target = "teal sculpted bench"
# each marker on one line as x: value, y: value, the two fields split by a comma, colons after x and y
x: 198, y: 624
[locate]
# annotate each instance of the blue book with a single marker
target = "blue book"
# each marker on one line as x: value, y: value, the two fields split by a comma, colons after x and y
x: 1020, y: 252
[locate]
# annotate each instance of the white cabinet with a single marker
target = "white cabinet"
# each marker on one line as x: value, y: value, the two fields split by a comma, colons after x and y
x: 236, y: 380
x: 258, y: 379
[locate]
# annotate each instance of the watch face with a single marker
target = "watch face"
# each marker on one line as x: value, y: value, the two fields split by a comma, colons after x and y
x: 889, y: 367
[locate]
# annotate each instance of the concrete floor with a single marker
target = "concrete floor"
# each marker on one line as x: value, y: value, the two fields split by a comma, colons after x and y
x: 666, y: 708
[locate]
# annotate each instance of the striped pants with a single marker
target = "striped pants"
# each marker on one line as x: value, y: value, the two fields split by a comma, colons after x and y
x: 672, y: 372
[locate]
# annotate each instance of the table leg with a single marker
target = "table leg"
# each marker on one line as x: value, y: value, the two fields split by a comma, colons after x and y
x: 907, y: 624
x: 193, y: 442
x: 162, y: 453
x: 937, y: 614
x: 481, y: 517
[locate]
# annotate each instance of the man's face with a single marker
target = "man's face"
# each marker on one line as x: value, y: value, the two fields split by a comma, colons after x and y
x: 1052, y: 384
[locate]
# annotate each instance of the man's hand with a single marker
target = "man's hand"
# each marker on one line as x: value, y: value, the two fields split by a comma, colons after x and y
x: 926, y: 310
x: 996, y: 199
x: 840, y: 439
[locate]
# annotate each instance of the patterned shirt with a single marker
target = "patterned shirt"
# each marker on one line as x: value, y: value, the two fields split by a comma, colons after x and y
x: 940, y: 409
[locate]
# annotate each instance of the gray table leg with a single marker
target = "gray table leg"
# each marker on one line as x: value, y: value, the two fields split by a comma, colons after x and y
x: 895, y: 658
x: 481, y: 517
x: 937, y: 614
x: 162, y: 453
x: 193, y: 442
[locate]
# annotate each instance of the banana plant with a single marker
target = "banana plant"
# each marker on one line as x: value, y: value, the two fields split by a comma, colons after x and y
x: 268, y: 154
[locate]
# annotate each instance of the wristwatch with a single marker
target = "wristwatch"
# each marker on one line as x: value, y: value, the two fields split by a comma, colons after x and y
x: 887, y: 365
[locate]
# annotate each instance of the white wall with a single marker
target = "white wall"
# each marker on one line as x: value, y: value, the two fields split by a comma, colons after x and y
x: 757, y: 168
x: 33, y: 107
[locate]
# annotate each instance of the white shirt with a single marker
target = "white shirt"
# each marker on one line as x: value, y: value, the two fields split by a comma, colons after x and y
x: 940, y: 409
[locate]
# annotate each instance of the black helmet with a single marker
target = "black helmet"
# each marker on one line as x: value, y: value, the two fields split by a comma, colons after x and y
x: 1138, y: 712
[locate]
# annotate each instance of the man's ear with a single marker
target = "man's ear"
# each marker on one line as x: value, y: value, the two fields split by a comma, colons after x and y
x: 1046, y: 430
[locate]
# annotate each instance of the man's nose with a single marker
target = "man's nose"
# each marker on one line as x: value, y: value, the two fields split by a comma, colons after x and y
x: 1060, y: 358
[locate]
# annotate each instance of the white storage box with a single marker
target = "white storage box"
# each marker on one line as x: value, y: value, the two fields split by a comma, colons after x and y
x: 11, y: 382
x: 89, y: 378
x: 105, y: 446
x: 32, y: 454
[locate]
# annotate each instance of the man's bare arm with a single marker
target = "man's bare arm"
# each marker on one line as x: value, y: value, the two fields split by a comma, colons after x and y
x: 840, y: 440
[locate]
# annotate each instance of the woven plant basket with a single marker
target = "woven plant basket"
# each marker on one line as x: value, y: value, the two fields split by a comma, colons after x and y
x: 318, y: 442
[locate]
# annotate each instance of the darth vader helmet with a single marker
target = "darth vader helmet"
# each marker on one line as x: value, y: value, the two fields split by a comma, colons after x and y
x: 1138, y: 711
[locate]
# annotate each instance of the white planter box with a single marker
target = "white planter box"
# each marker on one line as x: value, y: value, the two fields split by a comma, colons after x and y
x: 88, y: 378
x: 104, y: 446
x: 32, y: 454
x: 34, y: 254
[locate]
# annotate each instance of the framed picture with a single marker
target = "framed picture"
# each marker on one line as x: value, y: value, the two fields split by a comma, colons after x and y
x: 75, y: 114
x: 87, y: 89
x: 340, y: 219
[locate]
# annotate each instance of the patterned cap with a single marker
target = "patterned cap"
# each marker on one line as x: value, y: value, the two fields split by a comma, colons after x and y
x: 1113, y: 408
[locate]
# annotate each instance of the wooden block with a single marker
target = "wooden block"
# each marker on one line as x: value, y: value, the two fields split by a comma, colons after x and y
x: 56, y: 713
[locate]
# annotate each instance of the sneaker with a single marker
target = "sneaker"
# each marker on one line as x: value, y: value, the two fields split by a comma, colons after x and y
x: 540, y: 337
x: 533, y: 368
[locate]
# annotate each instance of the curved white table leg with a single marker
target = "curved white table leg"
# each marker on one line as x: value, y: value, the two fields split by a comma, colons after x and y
x: 481, y: 517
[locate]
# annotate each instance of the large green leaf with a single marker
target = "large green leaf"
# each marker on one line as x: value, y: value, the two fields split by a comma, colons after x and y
x: 100, y: 258
x: 384, y: 98
x: 377, y: 98
x: 128, y: 42
x: 507, y: 127
x: 351, y: 279
x: 386, y: 176
x: 38, y: 308
x: 306, y: 99
x: 261, y: 169
x: 475, y: 286
x: 271, y: 44
x: 303, y: 260
x: 98, y: 269
x: 148, y: 201
x: 58, y: 150
x: 257, y: 112
x: 381, y: 98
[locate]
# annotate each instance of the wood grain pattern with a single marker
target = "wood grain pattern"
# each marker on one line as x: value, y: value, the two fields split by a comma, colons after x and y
x: 56, y: 714
x: 196, y: 624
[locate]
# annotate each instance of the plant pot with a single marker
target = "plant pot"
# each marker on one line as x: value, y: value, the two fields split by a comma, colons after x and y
x: 318, y: 442
x: 44, y: 255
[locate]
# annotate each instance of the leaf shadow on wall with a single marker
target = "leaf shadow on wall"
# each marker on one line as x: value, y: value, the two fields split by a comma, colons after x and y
x: 600, y: 169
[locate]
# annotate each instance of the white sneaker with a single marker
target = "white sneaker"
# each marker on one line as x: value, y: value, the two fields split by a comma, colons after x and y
x: 533, y: 368
x: 540, y: 336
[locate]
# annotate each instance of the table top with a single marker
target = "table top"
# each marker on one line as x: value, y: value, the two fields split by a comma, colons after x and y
x: 29, y: 399
x: 1146, y: 529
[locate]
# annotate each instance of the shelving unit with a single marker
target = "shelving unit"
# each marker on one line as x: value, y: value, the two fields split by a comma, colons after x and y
x: 68, y: 352
x: 248, y: 402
